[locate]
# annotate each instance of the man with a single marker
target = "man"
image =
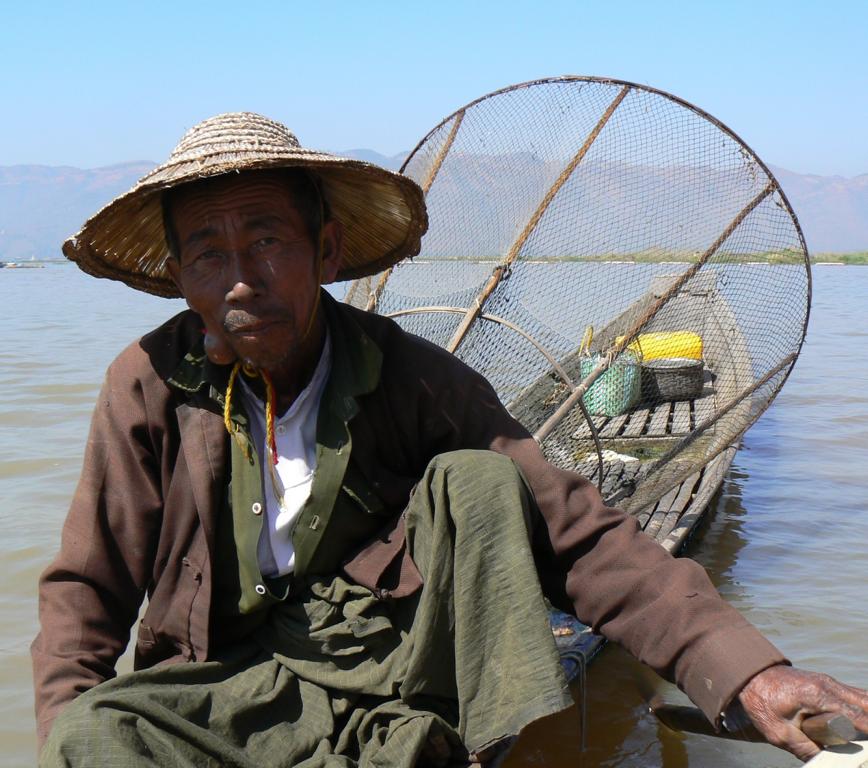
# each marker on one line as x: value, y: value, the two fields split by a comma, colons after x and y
x: 340, y: 531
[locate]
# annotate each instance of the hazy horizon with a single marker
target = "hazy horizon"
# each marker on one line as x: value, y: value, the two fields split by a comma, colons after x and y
x: 395, y: 159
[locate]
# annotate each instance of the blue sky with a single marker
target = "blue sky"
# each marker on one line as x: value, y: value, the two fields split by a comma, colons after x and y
x: 97, y: 83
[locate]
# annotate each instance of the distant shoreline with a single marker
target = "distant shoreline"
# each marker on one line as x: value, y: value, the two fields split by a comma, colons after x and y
x: 860, y: 257
x: 856, y: 258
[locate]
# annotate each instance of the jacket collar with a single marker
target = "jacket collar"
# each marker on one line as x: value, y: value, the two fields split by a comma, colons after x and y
x: 356, y: 359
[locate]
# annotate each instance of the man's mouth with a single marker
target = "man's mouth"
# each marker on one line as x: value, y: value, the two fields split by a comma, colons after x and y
x: 250, y: 329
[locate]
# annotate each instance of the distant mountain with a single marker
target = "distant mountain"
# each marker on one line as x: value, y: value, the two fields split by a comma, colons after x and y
x: 833, y: 210
x: 40, y: 206
x: 393, y: 162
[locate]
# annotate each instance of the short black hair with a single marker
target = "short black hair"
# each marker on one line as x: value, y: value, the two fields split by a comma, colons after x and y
x: 302, y: 184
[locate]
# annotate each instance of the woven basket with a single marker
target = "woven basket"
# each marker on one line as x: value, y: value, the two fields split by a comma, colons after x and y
x: 617, y: 389
x: 672, y: 378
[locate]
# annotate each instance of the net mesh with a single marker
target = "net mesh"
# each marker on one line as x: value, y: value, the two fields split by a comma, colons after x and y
x: 620, y: 266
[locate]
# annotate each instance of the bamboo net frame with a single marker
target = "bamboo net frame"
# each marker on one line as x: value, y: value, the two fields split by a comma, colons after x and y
x: 571, y: 202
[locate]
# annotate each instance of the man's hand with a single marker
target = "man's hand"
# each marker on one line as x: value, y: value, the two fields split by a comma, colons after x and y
x: 779, y: 698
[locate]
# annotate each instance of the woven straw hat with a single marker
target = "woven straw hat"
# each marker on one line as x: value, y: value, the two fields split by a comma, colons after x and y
x: 383, y: 213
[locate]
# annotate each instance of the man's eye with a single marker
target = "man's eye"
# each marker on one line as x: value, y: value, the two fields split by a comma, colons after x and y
x: 208, y: 255
x: 206, y: 259
x: 265, y: 242
x: 202, y: 258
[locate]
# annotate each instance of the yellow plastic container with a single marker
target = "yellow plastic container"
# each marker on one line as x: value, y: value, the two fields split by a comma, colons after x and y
x: 662, y: 344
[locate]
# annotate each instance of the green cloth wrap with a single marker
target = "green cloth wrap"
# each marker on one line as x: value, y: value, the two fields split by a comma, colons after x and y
x: 339, y: 677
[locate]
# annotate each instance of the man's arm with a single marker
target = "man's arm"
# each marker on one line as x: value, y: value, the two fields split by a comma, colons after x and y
x: 90, y: 595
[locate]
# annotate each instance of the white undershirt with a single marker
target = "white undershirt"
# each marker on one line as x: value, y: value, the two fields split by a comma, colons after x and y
x: 295, y: 438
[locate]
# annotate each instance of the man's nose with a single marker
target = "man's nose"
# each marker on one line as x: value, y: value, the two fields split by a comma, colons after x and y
x: 240, y: 293
x: 246, y: 283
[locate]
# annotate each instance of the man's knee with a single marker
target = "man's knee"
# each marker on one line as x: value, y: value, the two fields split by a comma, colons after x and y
x: 73, y: 730
x: 484, y: 465
x: 478, y: 481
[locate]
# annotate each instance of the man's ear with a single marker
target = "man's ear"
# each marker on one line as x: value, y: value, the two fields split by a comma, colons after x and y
x: 174, y: 270
x: 332, y: 246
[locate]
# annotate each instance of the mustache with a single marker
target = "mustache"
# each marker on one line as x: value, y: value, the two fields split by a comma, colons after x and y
x: 238, y: 319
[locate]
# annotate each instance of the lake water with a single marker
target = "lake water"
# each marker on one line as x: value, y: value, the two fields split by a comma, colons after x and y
x: 787, y: 542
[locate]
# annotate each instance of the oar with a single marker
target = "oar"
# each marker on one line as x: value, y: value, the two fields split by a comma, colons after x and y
x: 851, y: 755
x: 827, y: 730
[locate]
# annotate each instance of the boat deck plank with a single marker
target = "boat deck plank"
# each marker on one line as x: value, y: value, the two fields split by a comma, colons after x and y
x: 636, y: 424
x: 613, y: 426
x: 681, y: 418
x: 661, y: 510
x: 679, y: 504
x: 584, y: 430
x: 659, y: 420
x: 703, y: 408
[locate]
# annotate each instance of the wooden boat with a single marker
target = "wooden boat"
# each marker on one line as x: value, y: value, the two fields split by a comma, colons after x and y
x: 645, y: 432
x: 650, y: 430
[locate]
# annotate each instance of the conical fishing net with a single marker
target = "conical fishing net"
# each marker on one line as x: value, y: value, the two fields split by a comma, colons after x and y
x: 622, y: 268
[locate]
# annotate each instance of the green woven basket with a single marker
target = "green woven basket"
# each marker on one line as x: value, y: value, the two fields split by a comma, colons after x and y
x: 617, y: 389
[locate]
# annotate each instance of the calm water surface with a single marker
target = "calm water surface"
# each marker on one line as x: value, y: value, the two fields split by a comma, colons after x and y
x: 787, y: 544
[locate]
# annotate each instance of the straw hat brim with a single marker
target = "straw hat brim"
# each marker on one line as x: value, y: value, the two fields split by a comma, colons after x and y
x: 383, y: 216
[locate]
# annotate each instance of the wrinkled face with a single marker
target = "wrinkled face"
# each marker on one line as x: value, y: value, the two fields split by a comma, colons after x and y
x: 248, y: 265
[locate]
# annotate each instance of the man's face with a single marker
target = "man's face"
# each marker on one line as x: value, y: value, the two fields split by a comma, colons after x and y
x: 248, y: 265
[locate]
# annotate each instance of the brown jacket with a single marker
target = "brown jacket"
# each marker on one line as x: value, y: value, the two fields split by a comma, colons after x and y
x: 142, y: 523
